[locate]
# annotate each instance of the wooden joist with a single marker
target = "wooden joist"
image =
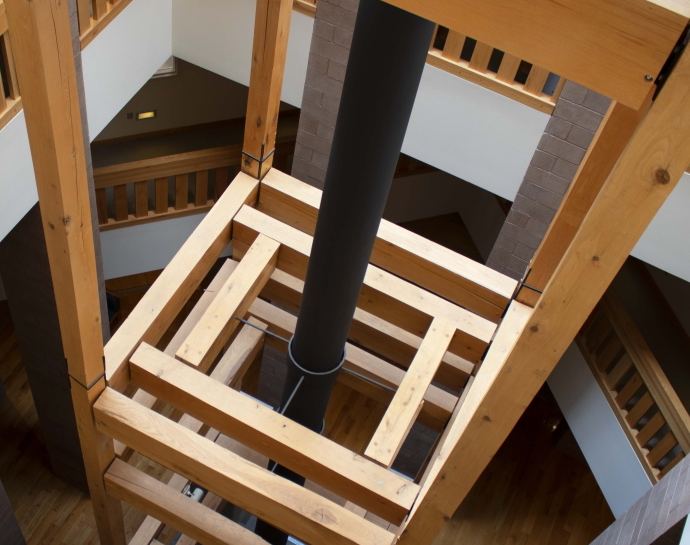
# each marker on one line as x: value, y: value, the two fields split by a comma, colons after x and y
x: 408, y: 255
x: 408, y: 400
x: 438, y: 404
x: 270, y: 433
x: 373, y: 333
x: 151, y: 496
x: 276, y: 500
x: 217, y: 324
x: 627, y: 41
x: 166, y: 297
x: 383, y: 294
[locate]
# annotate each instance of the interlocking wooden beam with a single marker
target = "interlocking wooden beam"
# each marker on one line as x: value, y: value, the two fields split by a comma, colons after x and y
x: 438, y: 404
x: 307, y: 453
x: 280, y: 502
x: 271, y: 32
x: 408, y: 255
x: 171, y: 290
x: 650, y: 167
x: 214, y: 328
x: 151, y: 496
x: 407, y: 401
x: 610, y: 46
x: 383, y: 294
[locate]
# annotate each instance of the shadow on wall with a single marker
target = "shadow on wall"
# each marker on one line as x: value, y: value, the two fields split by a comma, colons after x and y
x: 439, y: 193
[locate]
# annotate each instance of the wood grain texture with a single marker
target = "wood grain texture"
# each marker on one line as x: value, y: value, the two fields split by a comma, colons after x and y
x: 174, y: 286
x: 628, y: 40
x: 430, y: 265
x: 277, y: 437
x: 383, y: 294
x: 174, y: 508
x: 280, y: 502
x: 408, y: 400
x: 214, y: 328
x: 646, y: 173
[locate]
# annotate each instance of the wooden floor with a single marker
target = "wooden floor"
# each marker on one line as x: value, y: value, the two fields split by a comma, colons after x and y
x: 532, y: 492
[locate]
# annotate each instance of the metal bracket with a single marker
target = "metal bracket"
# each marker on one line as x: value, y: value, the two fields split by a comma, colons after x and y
x: 260, y: 161
x: 672, y: 60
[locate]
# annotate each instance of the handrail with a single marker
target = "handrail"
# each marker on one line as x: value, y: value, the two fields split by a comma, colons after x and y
x: 10, y: 104
x: 644, y: 401
x: 448, y: 56
x: 124, y: 198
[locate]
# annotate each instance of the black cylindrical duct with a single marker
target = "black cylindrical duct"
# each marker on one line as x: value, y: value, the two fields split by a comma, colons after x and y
x: 389, y: 50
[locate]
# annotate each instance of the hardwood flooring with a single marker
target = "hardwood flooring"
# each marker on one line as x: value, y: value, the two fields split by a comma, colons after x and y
x: 532, y: 492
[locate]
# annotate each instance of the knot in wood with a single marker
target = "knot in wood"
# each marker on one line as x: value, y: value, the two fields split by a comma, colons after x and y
x: 661, y: 176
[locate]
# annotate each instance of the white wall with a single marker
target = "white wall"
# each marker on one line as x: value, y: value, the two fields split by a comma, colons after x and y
x: 123, y: 57
x: 610, y: 456
x: 17, y: 183
x: 473, y: 133
x: 666, y: 242
x: 146, y: 247
x: 217, y: 35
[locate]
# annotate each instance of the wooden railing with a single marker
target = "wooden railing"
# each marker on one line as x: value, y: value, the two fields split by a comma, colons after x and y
x: 170, y: 186
x: 10, y: 100
x: 493, y: 69
x: 645, y: 403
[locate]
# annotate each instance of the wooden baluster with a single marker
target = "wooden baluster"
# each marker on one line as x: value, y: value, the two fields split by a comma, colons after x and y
x: 454, y: 44
x: 11, y: 73
x: 221, y: 181
x: 141, y: 199
x: 3, y: 100
x: 481, y: 57
x: 662, y: 448
x: 161, y: 195
x: 84, y: 15
x: 558, y: 90
x: 100, y: 8
x: 121, y: 204
x: 102, y: 206
x: 536, y: 80
x: 201, y: 190
x: 508, y: 69
x: 433, y: 39
x: 181, y: 191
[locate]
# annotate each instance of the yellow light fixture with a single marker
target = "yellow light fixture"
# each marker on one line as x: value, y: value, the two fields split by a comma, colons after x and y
x: 146, y: 115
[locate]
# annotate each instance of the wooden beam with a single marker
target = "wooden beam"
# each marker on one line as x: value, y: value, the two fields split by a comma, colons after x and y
x: 174, y: 508
x: 438, y: 404
x: 613, y: 135
x: 383, y: 294
x: 271, y: 32
x: 168, y: 294
x: 241, y: 353
x: 373, y: 333
x: 292, y: 508
x: 42, y: 47
x: 646, y: 173
x: 407, y: 401
x: 432, y: 266
x: 627, y: 40
x: 307, y: 453
x: 214, y: 328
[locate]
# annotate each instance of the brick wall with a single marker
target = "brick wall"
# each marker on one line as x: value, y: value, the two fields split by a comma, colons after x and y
x: 568, y: 134
x: 330, y: 50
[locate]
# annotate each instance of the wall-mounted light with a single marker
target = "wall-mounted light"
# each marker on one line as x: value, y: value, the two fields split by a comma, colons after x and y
x: 146, y: 115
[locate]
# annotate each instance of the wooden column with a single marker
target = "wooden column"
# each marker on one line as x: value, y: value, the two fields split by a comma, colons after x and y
x: 46, y: 71
x: 613, y: 135
x: 646, y: 173
x: 271, y: 31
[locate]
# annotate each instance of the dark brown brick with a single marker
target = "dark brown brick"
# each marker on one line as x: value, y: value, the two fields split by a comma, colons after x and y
x: 312, y: 95
x: 580, y: 137
x: 598, y: 103
x: 329, y: 50
x: 314, y: 142
x: 343, y: 37
x: 574, y: 92
x: 517, y: 218
x: 564, y: 169
x: 317, y: 64
x: 534, y: 209
x: 561, y: 149
x: 325, y: 132
x: 307, y: 124
x: 543, y: 160
x: 338, y: 16
x: 318, y: 113
x: 324, y: 30
x: 326, y: 85
x: 336, y: 71
x: 558, y: 127
x: 578, y: 115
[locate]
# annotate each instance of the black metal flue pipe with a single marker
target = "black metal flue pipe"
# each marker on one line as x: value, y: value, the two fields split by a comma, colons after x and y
x: 388, y: 54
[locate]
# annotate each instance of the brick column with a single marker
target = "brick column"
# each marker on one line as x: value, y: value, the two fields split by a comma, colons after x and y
x: 568, y: 134
x: 330, y: 50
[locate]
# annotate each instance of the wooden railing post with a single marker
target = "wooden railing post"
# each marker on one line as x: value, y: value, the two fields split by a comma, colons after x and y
x: 271, y: 31
x: 42, y: 44
x: 613, y: 135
